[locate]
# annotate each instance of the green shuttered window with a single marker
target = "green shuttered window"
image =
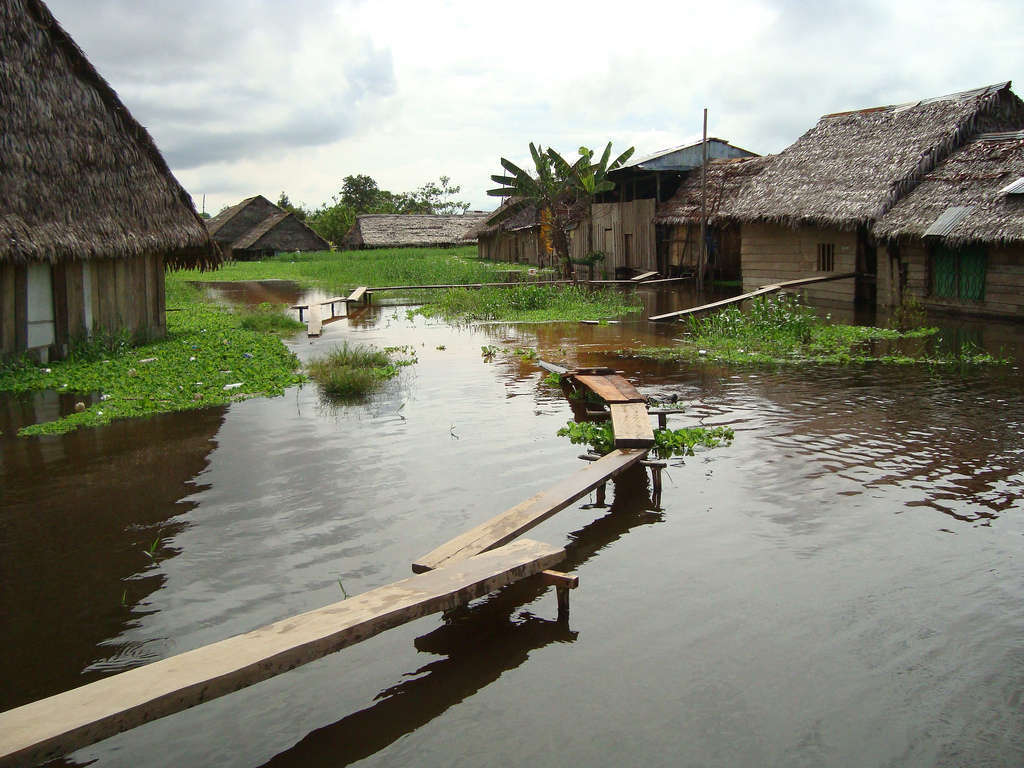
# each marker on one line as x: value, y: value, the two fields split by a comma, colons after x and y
x: 959, y: 273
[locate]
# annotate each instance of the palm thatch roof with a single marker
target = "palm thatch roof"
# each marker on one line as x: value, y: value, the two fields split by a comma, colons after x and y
x: 410, y: 230
x: 233, y: 222
x: 281, y: 231
x: 80, y: 179
x: 967, y: 196
x: 525, y: 218
x: 725, y: 179
x: 852, y: 167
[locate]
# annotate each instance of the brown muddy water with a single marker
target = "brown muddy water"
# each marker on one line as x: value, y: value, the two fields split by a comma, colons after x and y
x: 841, y: 586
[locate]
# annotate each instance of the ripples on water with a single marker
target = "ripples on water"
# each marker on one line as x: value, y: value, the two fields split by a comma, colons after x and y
x: 840, y: 586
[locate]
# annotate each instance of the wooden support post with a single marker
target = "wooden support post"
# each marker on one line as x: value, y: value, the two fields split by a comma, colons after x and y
x: 562, y: 582
x: 662, y: 420
x: 600, y: 494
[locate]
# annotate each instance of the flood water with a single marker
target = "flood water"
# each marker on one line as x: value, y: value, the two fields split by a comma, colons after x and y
x: 839, y: 587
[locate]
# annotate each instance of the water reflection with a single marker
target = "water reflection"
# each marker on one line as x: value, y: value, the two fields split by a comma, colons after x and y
x: 77, y: 515
x: 480, y: 642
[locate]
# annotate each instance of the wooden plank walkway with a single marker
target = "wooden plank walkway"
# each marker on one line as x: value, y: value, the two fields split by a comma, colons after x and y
x: 315, y: 325
x: 764, y: 289
x: 631, y: 425
x: 527, y: 514
x: 643, y: 276
x: 60, y: 724
x: 610, y: 387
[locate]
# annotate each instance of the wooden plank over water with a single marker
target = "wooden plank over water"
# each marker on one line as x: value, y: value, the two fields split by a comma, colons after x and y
x: 631, y: 425
x: 612, y: 388
x: 527, y: 514
x: 357, y: 294
x: 315, y: 324
x: 644, y: 276
x: 743, y: 297
x: 60, y: 724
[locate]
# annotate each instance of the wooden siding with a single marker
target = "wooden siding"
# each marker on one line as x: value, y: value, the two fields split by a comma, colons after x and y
x: 7, y: 305
x: 773, y: 254
x: 1004, y: 282
x: 521, y: 246
x: 606, y: 229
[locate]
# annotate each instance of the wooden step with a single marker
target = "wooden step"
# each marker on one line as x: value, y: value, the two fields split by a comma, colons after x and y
x: 68, y: 721
x: 631, y: 425
x: 525, y: 515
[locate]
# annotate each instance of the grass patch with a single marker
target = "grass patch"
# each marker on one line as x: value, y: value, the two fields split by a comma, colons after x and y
x: 781, y: 330
x: 269, y: 318
x: 536, y: 302
x: 667, y: 442
x: 352, y: 372
x: 206, y: 359
x: 341, y: 271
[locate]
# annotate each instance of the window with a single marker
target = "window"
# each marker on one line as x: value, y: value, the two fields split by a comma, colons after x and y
x: 826, y: 257
x: 958, y: 273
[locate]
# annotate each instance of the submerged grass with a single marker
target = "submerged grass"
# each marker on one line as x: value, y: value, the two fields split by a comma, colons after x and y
x: 269, y: 318
x: 340, y: 271
x: 352, y: 372
x: 207, y: 358
x: 783, y: 330
x: 531, y: 303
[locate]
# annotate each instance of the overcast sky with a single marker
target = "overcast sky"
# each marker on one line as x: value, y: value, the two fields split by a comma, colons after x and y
x: 250, y: 97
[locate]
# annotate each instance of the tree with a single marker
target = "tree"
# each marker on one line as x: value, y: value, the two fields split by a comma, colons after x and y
x: 561, y: 192
x: 286, y: 205
x: 361, y: 194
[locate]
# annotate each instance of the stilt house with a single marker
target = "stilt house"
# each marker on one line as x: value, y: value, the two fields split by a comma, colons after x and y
x: 256, y: 228
x: 413, y: 230
x: 812, y: 208
x: 516, y: 239
x: 90, y: 214
x: 957, y: 240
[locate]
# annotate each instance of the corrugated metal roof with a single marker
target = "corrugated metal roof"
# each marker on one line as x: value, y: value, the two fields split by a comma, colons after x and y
x: 686, y: 157
x: 948, y: 219
x: 1013, y: 188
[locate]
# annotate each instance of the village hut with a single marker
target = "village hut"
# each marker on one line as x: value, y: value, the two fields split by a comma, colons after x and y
x: 678, y: 219
x: 515, y: 239
x: 413, y: 230
x: 957, y: 240
x: 621, y: 223
x: 810, y: 210
x: 279, y: 232
x: 90, y: 214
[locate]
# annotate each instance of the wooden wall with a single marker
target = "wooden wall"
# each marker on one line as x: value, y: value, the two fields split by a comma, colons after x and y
x: 607, y: 228
x: 520, y: 246
x: 772, y: 254
x: 1004, y: 282
x: 682, y: 241
x: 121, y: 294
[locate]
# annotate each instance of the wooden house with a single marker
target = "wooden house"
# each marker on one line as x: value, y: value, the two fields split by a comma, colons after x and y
x: 413, y: 230
x: 621, y: 223
x: 90, y: 214
x: 812, y: 207
x: 957, y: 240
x: 516, y: 239
x: 678, y: 219
x: 256, y: 228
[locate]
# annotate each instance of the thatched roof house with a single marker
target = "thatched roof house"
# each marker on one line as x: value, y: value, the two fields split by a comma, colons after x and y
x: 412, y: 230
x: 852, y: 167
x: 90, y: 214
x: 725, y: 181
x: 514, y: 239
x: 256, y: 227
x: 957, y: 240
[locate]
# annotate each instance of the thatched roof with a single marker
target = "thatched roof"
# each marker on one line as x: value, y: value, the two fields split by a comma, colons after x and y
x: 281, y: 232
x: 525, y: 218
x: 725, y: 179
x: 966, y: 196
x: 80, y: 178
x: 852, y: 167
x: 391, y: 230
x: 233, y: 222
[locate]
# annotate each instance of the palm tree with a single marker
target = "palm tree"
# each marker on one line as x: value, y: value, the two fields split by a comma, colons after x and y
x: 560, y: 191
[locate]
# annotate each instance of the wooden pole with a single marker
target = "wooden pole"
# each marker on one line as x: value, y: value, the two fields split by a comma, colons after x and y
x: 702, y: 258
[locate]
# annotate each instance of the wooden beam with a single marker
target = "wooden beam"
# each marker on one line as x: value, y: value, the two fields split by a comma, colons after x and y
x: 467, y: 285
x: 315, y: 325
x: 743, y: 297
x: 523, y: 516
x: 45, y: 729
x: 644, y: 276
x: 612, y: 388
x: 631, y: 425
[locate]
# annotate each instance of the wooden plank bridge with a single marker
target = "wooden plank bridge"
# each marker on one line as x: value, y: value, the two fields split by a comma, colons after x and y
x: 763, y: 290
x: 469, y: 566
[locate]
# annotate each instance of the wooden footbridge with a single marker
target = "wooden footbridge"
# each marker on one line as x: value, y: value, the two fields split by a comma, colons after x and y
x: 471, y: 565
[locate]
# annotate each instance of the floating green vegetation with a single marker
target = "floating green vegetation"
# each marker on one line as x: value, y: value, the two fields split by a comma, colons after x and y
x: 206, y: 359
x: 667, y: 442
x: 340, y: 271
x: 352, y: 372
x: 782, y: 330
x: 269, y: 318
x: 535, y: 302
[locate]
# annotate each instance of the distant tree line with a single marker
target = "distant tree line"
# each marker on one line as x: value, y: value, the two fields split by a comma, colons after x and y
x: 360, y: 194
